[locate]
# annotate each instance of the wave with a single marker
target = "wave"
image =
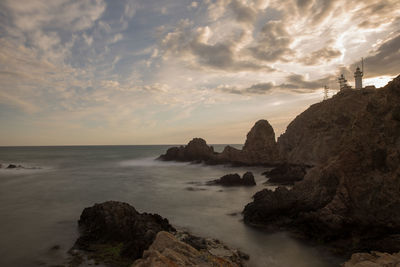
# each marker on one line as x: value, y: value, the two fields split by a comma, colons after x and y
x: 150, y: 162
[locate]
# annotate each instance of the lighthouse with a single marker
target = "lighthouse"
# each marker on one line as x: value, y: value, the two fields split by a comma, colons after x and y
x: 358, y: 75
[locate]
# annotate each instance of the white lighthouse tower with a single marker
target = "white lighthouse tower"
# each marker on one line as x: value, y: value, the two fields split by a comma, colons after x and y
x: 358, y: 75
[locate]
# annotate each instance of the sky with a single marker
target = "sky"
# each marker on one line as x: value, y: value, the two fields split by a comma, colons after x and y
x: 126, y: 72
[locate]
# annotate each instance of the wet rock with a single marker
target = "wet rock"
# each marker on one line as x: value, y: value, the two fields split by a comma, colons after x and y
x: 116, y: 233
x: 248, y: 179
x: 286, y: 174
x: 11, y: 166
x: 235, y: 180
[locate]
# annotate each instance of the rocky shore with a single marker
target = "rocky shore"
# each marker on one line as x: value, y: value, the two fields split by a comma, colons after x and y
x: 350, y: 199
x: 342, y: 157
x: 115, y: 234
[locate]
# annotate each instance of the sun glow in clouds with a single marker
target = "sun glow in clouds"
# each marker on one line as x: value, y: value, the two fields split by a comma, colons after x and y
x: 142, y: 72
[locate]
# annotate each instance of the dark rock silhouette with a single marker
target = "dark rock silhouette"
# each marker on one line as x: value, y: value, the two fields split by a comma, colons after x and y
x: 12, y: 166
x: 350, y: 199
x: 286, y: 174
x: 235, y: 180
x: 260, y: 149
x: 116, y: 234
x: 111, y: 223
x: 196, y: 150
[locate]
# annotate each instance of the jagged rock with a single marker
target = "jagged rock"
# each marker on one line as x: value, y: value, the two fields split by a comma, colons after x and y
x: 235, y: 180
x: 167, y: 250
x: 260, y: 145
x: 350, y: 198
x: 119, y: 228
x: 286, y: 174
x: 248, y: 179
x: 260, y: 149
x: 196, y: 150
x: 373, y: 259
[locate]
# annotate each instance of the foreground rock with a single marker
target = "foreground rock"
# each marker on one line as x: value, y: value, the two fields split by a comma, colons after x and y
x: 260, y: 149
x: 115, y: 234
x: 286, y: 174
x: 350, y: 199
x: 116, y: 228
x: 235, y: 180
x: 167, y: 250
x: 374, y: 259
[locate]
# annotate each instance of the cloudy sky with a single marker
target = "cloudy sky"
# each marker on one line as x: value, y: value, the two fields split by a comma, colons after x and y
x: 162, y: 72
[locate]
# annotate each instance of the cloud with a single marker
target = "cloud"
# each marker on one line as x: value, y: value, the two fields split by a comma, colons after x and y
x: 294, y: 83
x: 273, y: 42
x: 320, y: 56
x: 384, y: 60
x: 192, y: 46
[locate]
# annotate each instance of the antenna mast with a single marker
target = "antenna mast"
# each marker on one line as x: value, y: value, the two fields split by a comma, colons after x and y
x: 362, y: 66
x: 326, y: 88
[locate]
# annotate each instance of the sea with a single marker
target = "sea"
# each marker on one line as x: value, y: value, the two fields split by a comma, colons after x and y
x: 40, y: 203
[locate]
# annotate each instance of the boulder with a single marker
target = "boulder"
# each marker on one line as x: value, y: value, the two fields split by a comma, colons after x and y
x: 167, y: 250
x: 235, y: 180
x: 248, y: 179
x: 286, y: 174
x: 373, y: 259
x: 117, y: 226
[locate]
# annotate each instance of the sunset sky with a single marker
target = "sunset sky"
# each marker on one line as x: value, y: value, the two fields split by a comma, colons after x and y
x: 161, y: 72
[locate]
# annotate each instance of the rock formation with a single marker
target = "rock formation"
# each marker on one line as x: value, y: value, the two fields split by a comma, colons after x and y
x: 196, y: 150
x: 373, y: 259
x: 115, y: 234
x: 350, y: 199
x: 286, y: 174
x: 115, y: 224
x: 235, y: 180
x: 260, y: 149
x: 12, y: 166
x: 167, y: 250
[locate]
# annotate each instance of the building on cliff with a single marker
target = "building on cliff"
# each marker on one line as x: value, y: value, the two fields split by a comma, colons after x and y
x: 358, y: 75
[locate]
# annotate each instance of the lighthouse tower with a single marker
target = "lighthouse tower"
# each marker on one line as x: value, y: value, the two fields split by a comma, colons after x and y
x: 358, y: 76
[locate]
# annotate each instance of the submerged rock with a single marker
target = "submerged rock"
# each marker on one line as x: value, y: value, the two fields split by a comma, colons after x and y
x: 235, y: 180
x: 12, y: 166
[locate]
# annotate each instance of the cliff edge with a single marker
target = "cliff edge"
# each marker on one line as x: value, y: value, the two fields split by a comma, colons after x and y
x: 351, y: 197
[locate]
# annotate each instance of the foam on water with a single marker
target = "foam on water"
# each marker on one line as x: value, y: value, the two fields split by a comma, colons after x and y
x: 150, y: 162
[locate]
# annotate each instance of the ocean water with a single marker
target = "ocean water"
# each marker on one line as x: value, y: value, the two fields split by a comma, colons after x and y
x: 40, y: 204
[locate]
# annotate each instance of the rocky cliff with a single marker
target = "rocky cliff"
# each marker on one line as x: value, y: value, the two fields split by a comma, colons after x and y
x: 351, y: 197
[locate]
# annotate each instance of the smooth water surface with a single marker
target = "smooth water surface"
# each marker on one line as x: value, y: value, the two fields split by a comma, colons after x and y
x: 40, y: 204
